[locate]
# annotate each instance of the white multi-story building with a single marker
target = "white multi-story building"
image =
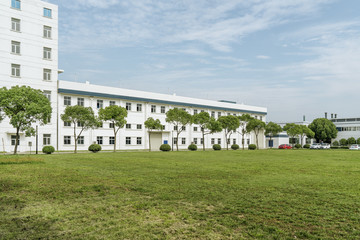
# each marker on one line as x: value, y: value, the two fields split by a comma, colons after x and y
x: 29, y: 56
x: 347, y: 127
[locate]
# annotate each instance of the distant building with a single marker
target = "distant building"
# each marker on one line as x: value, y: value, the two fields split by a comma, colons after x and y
x: 347, y: 127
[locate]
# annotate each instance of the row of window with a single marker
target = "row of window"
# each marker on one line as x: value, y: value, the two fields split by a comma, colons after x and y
x: 16, y: 27
x: 16, y: 4
x: 100, y: 140
x: 16, y: 72
x: 16, y: 49
x: 46, y: 139
x: 348, y: 129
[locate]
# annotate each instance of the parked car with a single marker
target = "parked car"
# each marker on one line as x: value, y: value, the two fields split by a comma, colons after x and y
x: 325, y: 146
x: 285, y: 146
x: 315, y: 146
x: 354, y: 147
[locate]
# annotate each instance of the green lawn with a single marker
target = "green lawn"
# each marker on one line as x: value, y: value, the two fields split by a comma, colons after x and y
x: 265, y: 194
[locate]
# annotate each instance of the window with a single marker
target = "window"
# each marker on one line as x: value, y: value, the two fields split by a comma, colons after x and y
x: 67, y: 140
x: 163, y: 127
x: 248, y: 141
x: 184, y: 109
x: 162, y: 109
x: 228, y: 114
x: 201, y: 141
x: 138, y: 107
x: 219, y: 141
x: 219, y: 114
x: 48, y: 95
x: 175, y: 128
x: 99, y: 104
x: 13, y: 140
x: 202, y: 111
x: 67, y: 101
x: 47, y: 12
x: 128, y: 140
x: 128, y: 126
x: 47, y: 53
x: 153, y: 108
x: 111, y: 140
x: 111, y: 125
x: 47, y: 74
x: 80, y: 124
x: 128, y: 106
x: 15, y: 70
x: 81, y: 140
x: 138, y: 140
x: 234, y: 141
x: 112, y: 103
x: 138, y: 126
x: 195, y: 141
x: 308, y: 140
x: 67, y: 124
x: 261, y: 118
x: 99, y: 140
x: 213, y: 114
x: 15, y: 47
x: 15, y: 24
x: 175, y: 140
x: 47, y: 32
x: 195, y: 111
x: 213, y: 141
x: 16, y: 4
x: 80, y: 101
x: 183, y: 128
x: 195, y: 129
x: 183, y: 140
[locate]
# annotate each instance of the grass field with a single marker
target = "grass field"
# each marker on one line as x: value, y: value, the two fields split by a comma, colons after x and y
x: 265, y: 194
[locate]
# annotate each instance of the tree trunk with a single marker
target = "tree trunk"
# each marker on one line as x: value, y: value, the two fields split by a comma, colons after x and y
x: 203, y: 137
x: 16, y: 140
x: 257, y: 142
x: 226, y: 139
x: 243, y: 141
x: 115, y: 133
x: 75, y: 139
x: 177, y: 141
x: 149, y: 141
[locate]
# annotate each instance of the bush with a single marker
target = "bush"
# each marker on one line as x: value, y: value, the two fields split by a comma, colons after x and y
x: 235, y: 147
x: 334, y: 147
x: 351, y: 140
x: 297, y: 146
x: 306, y: 146
x: 165, y: 147
x: 343, y: 142
x: 192, y: 147
x: 335, y: 143
x: 48, y: 149
x: 94, y: 148
x: 252, y: 147
x: 216, y: 147
x: 344, y: 147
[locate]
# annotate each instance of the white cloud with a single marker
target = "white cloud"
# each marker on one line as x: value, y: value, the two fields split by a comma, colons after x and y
x: 264, y: 57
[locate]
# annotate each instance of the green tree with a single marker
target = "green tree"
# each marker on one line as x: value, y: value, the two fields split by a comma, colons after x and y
x: 256, y: 126
x: 292, y: 130
x: 351, y: 140
x: 116, y: 115
x: 244, y: 119
x: 25, y: 106
x: 207, y: 124
x: 343, y: 142
x: 179, y: 118
x: 152, y: 125
x: 272, y: 129
x: 81, y: 117
x: 324, y: 129
x: 305, y: 131
x: 229, y: 123
x: 358, y: 140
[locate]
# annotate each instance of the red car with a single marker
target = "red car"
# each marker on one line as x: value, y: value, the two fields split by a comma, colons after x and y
x: 285, y: 146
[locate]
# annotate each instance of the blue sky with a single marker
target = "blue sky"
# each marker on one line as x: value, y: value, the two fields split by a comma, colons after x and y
x: 298, y: 57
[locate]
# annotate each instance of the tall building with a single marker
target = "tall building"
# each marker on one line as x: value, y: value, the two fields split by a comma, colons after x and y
x: 29, y: 56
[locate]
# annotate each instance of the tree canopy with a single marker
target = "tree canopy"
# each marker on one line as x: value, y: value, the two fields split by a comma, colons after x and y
x: 179, y: 118
x: 244, y: 119
x: 207, y: 124
x: 272, y: 129
x: 256, y: 126
x: 81, y: 116
x: 116, y: 115
x: 152, y: 125
x: 25, y: 106
x: 324, y: 129
x: 229, y: 123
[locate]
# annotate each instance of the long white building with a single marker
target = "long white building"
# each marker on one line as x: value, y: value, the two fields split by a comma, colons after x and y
x: 29, y: 56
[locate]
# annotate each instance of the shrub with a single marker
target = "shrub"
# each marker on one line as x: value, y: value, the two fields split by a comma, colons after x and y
x: 94, y: 148
x: 343, y: 142
x: 192, y: 147
x: 165, y: 147
x: 252, y: 147
x: 216, y: 147
x: 351, y: 140
x: 334, y: 147
x: 297, y: 146
x: 306, y: 146
x: 344, y: 147
x: 335, y: 143
x: 235, y: 147
x: 48, y: 149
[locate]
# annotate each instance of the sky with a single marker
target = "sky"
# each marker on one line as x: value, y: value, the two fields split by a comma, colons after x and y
x: 296, y: 58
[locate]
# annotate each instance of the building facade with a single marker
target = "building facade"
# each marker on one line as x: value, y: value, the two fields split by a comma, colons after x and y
x: 347, y: 128
x: 29, y: 56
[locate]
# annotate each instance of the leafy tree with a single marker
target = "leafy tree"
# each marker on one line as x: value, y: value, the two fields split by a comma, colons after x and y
x: 179, y: 118
x: 116, y: 115
x: 207, y: 124
x: 83, y: 117
x: 229, y: 123
x: 324, y: 129
x: 24, y: 106
x: 244, y: 119
x: 256, y: 126
x: 272, y: 129
x: 358, y: 141
x: 305, y: 131
x: 343, y: 142
x: 351, y: 140
x: 152, y: 124
x: 292, y: 129
x: 335, y: 143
